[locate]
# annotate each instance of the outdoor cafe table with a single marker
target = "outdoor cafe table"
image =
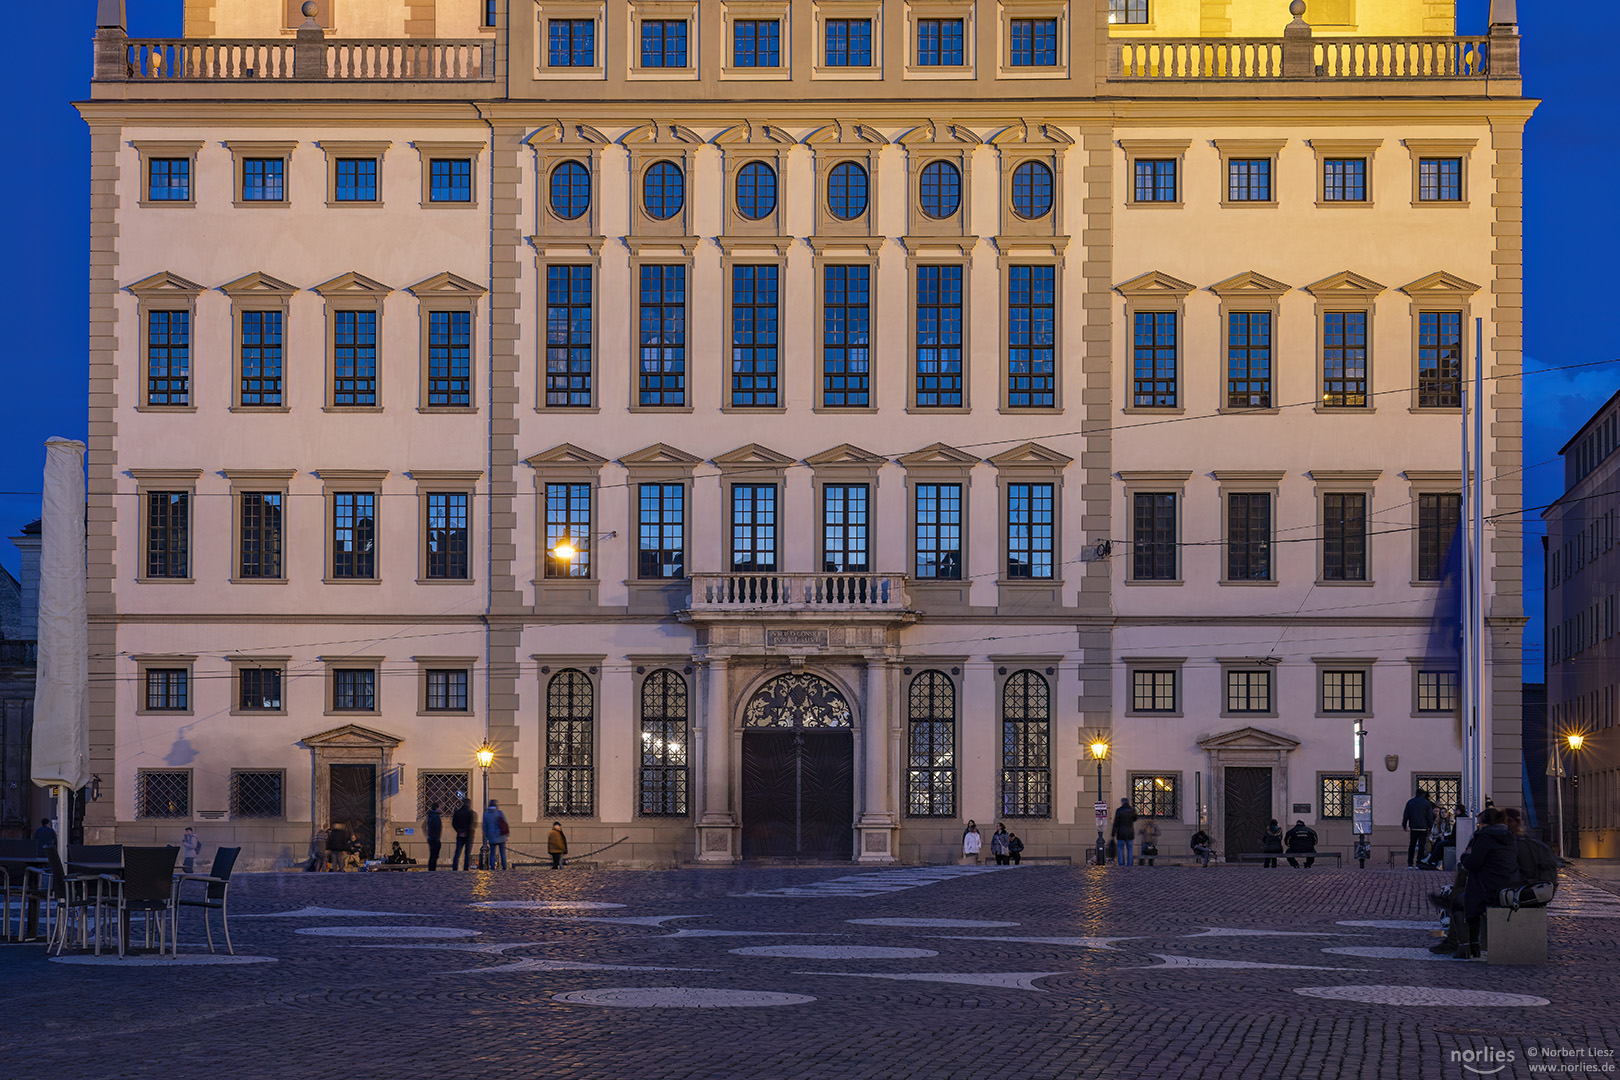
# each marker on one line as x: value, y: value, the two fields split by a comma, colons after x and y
x: 102, y: 870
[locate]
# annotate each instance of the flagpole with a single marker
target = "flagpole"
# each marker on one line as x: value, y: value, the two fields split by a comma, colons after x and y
x: 1465, y: 683
x: 1482, y: 727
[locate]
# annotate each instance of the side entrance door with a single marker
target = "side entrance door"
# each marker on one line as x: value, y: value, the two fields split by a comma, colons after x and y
x: 1248, y: 809
x: 352, y: 795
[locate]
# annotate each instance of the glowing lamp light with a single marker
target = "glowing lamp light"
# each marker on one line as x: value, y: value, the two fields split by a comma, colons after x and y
x: 485, y: 755
x: 1575, y: 741
x: 565, y: 551
x: 1099, y: 749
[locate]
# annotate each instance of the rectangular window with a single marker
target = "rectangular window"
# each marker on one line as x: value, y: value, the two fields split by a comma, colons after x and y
x: 354, y: 534
x: 168, y: 534
x: 663, y: 336
x: 354, y: 359
x: 756, y: 43
x: 261, y: 359
x: 1344, y: 691
x: 1156, y: 796
x: 1156, y: 180
x: 1026, y: 738
x: 568, y: 528
x: 1438, y: 515
x: 1344, y: 536
x: 568, y: 336
x: 1337, y: 789
x: 664, y: 744
x: 167, y: 690
x: 1030, y: 525
x: 490, y: 7
x: 447, y: 536
x: 261, y: 543
x: 1248, y: 691
x: 1440, y: 180
x: 168, y: 180
x: 661, y: 531
x: 845, y: 528
x: 931, y: 746
x: 255, y: 794
x: 1033, y: 43
x: 1154, y: 357
x: 168, y: 358
x: 446, y: 690
x: 1128, y: 11
x: 663, y: 43
x: 1248, y: 360
x: 570, y: 745
x: 1437, y: 691
x: 450, y: 180
x: 1153, y: 537
x: 1248, y: 180
x: 939, y: 43
x: 356, y: 180
x: 1344, y: 180
x: 1344, y: 359
x: 572, y: 42
x: 264, y: 180
x: 162, y: 793
x: 1031, y: 338
x: 849, y: 43
x: 939, y: 336
x: 938, y: 537
x: 258, y: 689
x: 1440, y: 359
x: 1445, y: 789
x: 441, y: 790
x: 1248, y: 536
x: 753, y: 336
x: 1153, y: 690
x: 846, y: 375
x: 753, y: 528
x: 354, y: 690
x: 449, y: 359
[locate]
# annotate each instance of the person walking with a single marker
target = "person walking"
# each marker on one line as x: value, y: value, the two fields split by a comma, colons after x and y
x: 1015, y: 849
x: 1417, y: 819
x: 998, y: 845
x: 337, y: 848
x: 190, y: 849
x: 496, y: 831
x: 971, y: 843
x: 433, y: 826
x: 1124, y: 833
x: 556, y: 845
x: 1150, y: 841
x: 1271, y: 843
x: 1202, y: 846
x: 1301, y: 840
x: 462, y: 822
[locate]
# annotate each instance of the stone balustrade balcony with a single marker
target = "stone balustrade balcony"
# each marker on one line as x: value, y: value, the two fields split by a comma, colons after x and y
x: 801, y: 596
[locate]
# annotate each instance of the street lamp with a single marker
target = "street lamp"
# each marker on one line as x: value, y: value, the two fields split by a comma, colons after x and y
x: 1099, y: 751
x: 486, y: 757
x: 1574, y: 741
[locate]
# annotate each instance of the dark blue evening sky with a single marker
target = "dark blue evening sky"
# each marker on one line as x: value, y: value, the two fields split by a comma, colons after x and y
x: 1570, y: 236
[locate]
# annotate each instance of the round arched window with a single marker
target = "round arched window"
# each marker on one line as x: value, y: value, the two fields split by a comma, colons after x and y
x: 846, y: 191
x: 663, y: 191
x: 570, y: 190
x: 1032, y: 190
x: 756, y: 190
x: 940, y: 190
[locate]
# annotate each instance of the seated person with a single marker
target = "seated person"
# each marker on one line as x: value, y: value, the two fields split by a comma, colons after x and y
x: 1202, y: 846
x: 1301, y: 840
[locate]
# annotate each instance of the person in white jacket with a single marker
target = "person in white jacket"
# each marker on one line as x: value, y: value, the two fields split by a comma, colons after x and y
x: 971, y: 842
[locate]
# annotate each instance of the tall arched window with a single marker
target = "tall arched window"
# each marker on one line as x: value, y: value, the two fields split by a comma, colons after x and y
x: 570, y: 744
x: 846, y: 191
x: 940, y: 189
x: 570, y: 190
x: 931, y: 742
x: 1032, y: 190
x: 756, y: 190
x: 663, y: 744
x: 663, y: 190
x: 1026, y: 738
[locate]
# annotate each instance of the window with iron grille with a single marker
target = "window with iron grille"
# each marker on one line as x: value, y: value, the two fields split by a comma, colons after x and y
x: 1440, y: 180
x: 939, y: 336
x: 168, y: 534
x: 1344, y: 359
x: 1336, y: 801
x: 356, y: 180
x: 661, y: 531
x: 264, y: 180
x: 1437, y: 691
x: 1344, y: 536
x: 663, y: 43
x: 167, y: 689
x: 354, y: 358
x: 1248, y: 536
x: 446, y: 690
x: 753, y: 336
x: 260, y: 524
x: 1026, y: 720
x: 256, y: 794
x: 571, y: 42
x: 931, y: 746
x: 354, y: 690
x: 756, y: 43
x: 447, y: 535
x: 1153, y: 690
x: 1156, y: 796
x: 1153, y: 536
x: 1344, y: 691
x: 849, y: 43
x: 168, y: 180
x: 1128, y: 11
x: 1032, y: 43
x: 1156, y: 180
x: 663, y: 336
x: 449, y: 359
x: 664, y: 739
x: 261, y: 359
x: 1031, y: 338
x: 1031, y: 522
x: 753, y: 527
x: 1445, y: 789
x: 845, y: 528
x: 1248, y: 360
x: 354, y: 534
x: 938, y: 532
x: 168, y: 358
x: 568, y: 336
x: 846, y: 371
x: 444, y: 789
x: 1154, y: 356
x: 1248, y: 691
x: 162, y: 793
x: 450, y: 180
x: 1438, y: 515
x: 939, y: 43
x: 1440, y: 359
x: 570, y: 745
x: 258, y: 689
x: 1344, y: 180
x: 568, y: 518
x: 1248, y: 180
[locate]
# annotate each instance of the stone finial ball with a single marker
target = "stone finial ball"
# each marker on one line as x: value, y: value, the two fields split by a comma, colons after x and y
x: 311, y: 7
x: 1296, y: 9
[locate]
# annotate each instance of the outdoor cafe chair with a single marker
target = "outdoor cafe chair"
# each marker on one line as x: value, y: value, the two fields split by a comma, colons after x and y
x: 147, y: 886
x: 70, y: 900
x: 16, y: 858
x: 218, y: 882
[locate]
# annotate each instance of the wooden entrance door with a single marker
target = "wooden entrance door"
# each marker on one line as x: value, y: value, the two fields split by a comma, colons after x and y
x: 1248, y: 809
x: 798, y: 798
x: 352, y: 796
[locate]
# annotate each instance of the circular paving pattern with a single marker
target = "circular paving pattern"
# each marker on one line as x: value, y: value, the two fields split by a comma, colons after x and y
x: 1388, y: 952
x: 679, y: 997
x: 944, y: 924
x: 161, y: 961
x: 1421, y: 995
x: 546, y: 905
x: 834, y: 952
x: 1391, y: 924
x: 388, y: 931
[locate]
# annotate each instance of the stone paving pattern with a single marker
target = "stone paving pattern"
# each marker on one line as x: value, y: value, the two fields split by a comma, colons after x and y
x: 483, y: 1006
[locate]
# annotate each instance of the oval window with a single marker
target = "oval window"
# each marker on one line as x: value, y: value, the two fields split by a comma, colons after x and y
x: 940, y: 190
x: 1032, y: 190
x: 570, y: 190
x: 846, y: 191
x: 756, y: 190
x: 663, y: 191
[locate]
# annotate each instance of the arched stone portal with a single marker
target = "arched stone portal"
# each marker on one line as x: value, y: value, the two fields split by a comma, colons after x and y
x: 798, y: 771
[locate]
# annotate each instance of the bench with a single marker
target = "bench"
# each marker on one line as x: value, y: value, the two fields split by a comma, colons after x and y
x: 1516, y: 937
x: 1260, y: 856
x: 1177, y: 857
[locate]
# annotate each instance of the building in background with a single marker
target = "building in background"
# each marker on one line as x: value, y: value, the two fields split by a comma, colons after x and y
x: 1533, y: 745
x: 20, y: 805
x: 794, y: 428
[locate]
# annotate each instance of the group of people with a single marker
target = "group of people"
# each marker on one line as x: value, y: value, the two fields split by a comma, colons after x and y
x: 1502, y: 858
x: 1007, y: 848
x: 337, y: 843
x: 1430, y: 830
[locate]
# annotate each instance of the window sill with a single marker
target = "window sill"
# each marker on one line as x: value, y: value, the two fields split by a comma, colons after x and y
x: 448, y: 410
x: 1344, y: 204
x: 755, y: 74
x: 1229, y: 410
x: 669, y: 74
x: 1248, y: 204
x: 1424, y: 584
x: 1152, y: 204
x: 1251, y: 584
x: 1439, y: 204
x: 165, y: 580
x: 261, y: 204
x: 940, y: 410
x: 1030, y: 583
x: 940, y: 71
x: 1346, y: 410
x: 846, y: 410
x: 1153, y: 582
x: 1030, y: 410
x: 354, y: 204
x: 755, y: 410
x: 258, y: 581
x: 1154, y: 714
x: 167, y: 204
x: 350, y: 581
x: 1032, y: 72
x: 250, y: 409
x: 352, y: 409
x: 445, y: 581
x: 1323, y: 583
x: 660, y: 408
x: 846, y: 74
x: 1438, y: 410
x: 580, y: 74
x: 352, y: 712
x: 445, y: 712
x: 257, y: 712
x: 581, y: 410
x: 1155, y: 410
x: 164, y: 712
x: 449, y: 204
x: 165, y: 408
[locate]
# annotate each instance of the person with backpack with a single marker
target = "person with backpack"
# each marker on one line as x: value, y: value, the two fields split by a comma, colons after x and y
x: 1492, y: 862
x: 1150, y: 841
x: 998, y: 845
x: 496, y: 831
x: 1417, y: 819
x: 1538, y: 866
x: 1271, y: 843
x: 1124, y: 833
x: 1301, y: 840
x: 462, y: 822
x: 433, y: 826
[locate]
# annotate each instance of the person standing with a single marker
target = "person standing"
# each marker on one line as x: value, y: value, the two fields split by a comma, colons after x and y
x: 1124, y: 832
x: 1301, y: 841
x: 972, y: 842
x: 1202, y: 847
x: 45, y: 836
x: 998, y: 845
x: 1271, y: 843
x: 337, y: 848
x: 1015, y: 849
x: 1150, y: 841
x: 462, y: 822
x: 1417, y: 819
x: 190, y: 849
x: 433, y: 826
x: 556, y: 845
x: 495, y: 832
